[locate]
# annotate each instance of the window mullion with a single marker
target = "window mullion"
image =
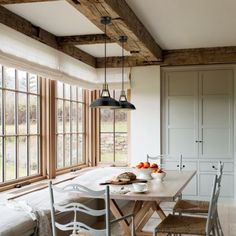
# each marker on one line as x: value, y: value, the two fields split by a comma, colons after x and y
x: 27, y: 124
x: 63, y: 125
x: 70, y: 117
x: 3, y: 127
x: 16, y: 128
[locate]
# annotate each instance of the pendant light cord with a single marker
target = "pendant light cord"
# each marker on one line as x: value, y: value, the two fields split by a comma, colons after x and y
x: 105, y: 47
x: 123, y: 58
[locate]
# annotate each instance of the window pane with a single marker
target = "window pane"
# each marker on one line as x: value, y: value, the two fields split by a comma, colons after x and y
x: 59, y: 116
x: 33, y: 83
x: 121, y: 151
x: 81, y: 117
x: 22, y: 113
x: 22, y: 158
x: 0, y: 111
x: 59, y: 89
x: 1, y: 70
x: 121, y: 124
x: 60, y: 151
x: 67, y: 150
x: 67, y: 116
x: 107, y: 147
x: 1, y: 161
x: 33, y: 154
x: 80, y: 95
x: 74, y: 149
x: 10, y: 112
x: 9, y: 78
x: 22, y: 80
x: 107, y: 120
x: 67, y: 91
x: 10, y: 158
x: 33, y: 110
x: 74, y: 120
x: 81, y: 158
x: 74, y: 93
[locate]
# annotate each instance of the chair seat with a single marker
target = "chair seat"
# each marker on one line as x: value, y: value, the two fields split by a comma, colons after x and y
x: 176, y: 224
x: 191, y: 206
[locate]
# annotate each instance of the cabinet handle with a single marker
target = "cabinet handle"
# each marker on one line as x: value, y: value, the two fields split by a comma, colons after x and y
x: 198, y: 141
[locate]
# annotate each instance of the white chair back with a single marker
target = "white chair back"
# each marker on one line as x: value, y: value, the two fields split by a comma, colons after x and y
x: 212, y: 212
x: 75, y: 226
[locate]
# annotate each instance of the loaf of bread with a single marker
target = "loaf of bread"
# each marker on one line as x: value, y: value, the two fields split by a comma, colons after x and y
x: 126, y: 176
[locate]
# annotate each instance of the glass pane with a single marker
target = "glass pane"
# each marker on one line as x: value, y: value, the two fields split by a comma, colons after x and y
x: 0, y: 111
x: 22, y: 80
x: 121, y: 121
x: 10, y: 112
x: 81, y: 117
x: 81, y: 157
x: 121, y: 150
x: 60, y: 151
x: 22, y: 158
x: 116, y: 94
x: 74, y: 111
x: 10, y: 158
x: 67, y: 91
x: 107, y: 147
x: 59, y: 89
x: 33, y: 83
x: 59, y: 116
x: 80, y: 95
x: 1, y: 161
x: 22, y: 113
x: 1, y: 70
x: 67, y: 116
x: 107, y: 120
x: 74, y: 149
x: 10, y: 77
x: 74, y: 93
x: 33, y: 155
x: 33, y: 110
x: 67, y: 150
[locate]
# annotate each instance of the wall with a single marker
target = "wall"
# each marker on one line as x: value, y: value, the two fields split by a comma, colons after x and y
x: 145, y: 121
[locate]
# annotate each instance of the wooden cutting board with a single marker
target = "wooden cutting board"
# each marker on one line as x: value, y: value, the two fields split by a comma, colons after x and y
x: 124, y: 182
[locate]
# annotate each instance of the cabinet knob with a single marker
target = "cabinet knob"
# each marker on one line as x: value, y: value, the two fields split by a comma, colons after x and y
x: 183, y: 166
x: 213, y: 167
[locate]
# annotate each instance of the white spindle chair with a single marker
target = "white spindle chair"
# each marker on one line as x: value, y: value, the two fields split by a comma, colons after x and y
x: 75, y: 226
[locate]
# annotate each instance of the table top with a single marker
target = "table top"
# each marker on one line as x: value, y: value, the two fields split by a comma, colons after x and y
x: 168, y: 190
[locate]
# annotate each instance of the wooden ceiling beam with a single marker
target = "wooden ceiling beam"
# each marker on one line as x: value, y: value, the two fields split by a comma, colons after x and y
x: 179, y: 57
x: 124, y: 22
x: 20, y: 24
x: 84, y: 39
x: 4, y: 2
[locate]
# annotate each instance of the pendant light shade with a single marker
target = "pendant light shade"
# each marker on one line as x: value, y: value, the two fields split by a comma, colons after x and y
x: 105, y: 100
x: 124, y: 104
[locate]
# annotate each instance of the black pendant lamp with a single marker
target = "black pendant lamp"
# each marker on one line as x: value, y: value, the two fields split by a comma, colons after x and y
x: 105, y: 100
x: 124, y: 104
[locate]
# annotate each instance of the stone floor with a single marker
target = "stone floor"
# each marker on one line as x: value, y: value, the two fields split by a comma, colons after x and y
x: 227, y: 215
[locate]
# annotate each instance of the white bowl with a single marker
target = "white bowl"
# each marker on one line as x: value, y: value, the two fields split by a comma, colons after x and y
x: 144, y: 173
x: 158, y: 176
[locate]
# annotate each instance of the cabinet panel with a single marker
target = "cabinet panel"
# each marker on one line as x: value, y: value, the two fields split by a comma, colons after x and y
x: 176, y: 81
x: 206, y: 181
x: 191, y: 188
x: 209, y: 166
x: 215, y: 82
x: 182, y: 141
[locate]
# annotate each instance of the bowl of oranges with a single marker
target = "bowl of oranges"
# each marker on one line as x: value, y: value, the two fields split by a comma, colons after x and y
x: 144, y: 170
x: 158, y: 174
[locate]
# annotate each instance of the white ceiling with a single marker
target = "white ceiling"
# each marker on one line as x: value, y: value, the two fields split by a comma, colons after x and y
x: 97, y: 50
x: 179, y: 24
x: 57, y: 17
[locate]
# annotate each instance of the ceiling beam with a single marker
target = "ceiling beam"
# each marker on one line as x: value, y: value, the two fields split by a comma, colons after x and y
x: 18, y: 23
x: 124, y: 22
x: 84, y: 39
x: 179, y: 57
x: 3, y: 2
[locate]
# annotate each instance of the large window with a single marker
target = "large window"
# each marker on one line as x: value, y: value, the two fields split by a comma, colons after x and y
x: 70, y: 102
x: 113, y: 134
x: 19, y: 124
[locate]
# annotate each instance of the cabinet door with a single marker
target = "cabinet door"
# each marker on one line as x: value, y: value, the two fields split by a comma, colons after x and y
x: 215, y: 114
x: 181, y: 90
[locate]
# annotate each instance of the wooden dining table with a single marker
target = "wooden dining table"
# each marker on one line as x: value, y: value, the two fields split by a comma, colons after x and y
x: 145, y: 204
